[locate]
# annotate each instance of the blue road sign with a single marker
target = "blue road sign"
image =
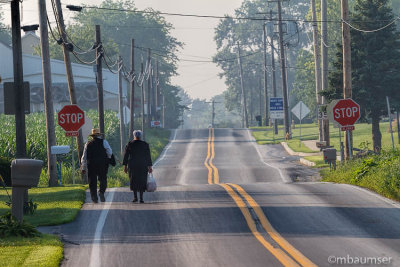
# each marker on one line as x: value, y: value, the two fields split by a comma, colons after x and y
x: 276, y: 108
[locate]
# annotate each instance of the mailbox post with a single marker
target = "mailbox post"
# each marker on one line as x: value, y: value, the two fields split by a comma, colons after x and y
x: 330, y: 157
x: 25, y: 174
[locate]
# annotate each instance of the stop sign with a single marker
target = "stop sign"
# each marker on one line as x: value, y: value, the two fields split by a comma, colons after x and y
x: 71, y: 118
x: 346, y: 112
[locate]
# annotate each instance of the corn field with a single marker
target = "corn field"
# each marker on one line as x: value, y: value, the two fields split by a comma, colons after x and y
x: 36, y: 144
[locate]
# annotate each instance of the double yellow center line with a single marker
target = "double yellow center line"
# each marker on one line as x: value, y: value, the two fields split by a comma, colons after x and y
x: 283, y: 251
x: 212, y: 179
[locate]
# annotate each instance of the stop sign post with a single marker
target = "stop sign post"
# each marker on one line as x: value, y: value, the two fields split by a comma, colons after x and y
x: 71, y: 118
x: 344, y: 112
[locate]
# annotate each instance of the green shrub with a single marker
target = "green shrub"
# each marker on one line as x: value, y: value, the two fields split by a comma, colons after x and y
x: 10, y: 226
x: 380, y: 173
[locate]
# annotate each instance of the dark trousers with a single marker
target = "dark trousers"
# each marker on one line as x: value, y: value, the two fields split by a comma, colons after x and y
x: 97, y: 172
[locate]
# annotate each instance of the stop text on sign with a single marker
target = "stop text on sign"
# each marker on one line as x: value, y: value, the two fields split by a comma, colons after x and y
x: 71, y: 118
x: 346, y: 112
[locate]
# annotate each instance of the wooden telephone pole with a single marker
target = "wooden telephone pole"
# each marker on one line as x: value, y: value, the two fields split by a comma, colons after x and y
x: 273, y: 69
x: 121, y: 107
x: 149, y: 98
x: 347, y: 86
x: 68, y: 70
x: 283, y: 71
x: 20, y: 129
x: 47, y: 92
x: 245, y: 119
x: 132, y: 94
x: 317, y: 64
x: 324, y: 63
x: 99, y: 79
x: 265, y: 77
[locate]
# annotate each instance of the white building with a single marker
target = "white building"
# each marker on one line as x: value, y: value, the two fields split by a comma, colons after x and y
x: 84, y: 78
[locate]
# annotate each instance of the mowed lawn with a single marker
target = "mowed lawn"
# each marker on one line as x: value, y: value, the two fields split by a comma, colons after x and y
x: 362, y: 135
x: 56, y: 205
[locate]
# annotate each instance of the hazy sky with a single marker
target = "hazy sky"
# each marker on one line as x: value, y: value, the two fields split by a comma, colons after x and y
x: 200, y: 80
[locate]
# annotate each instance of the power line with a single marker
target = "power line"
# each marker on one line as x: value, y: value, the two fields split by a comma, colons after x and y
x: 217, y: 17
x: 371, y: 31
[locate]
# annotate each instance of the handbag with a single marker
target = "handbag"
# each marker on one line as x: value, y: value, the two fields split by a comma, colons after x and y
x: 151, y: 183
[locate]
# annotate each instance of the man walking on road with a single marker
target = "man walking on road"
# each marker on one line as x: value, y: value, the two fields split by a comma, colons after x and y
x: 95, y: 159
x: 137, y: 159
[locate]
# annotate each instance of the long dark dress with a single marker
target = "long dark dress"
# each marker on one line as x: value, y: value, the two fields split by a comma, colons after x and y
x: 138, y: 158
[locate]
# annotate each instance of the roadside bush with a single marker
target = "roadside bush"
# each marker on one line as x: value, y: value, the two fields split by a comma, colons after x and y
x: 380, y: 173
x: 10, y: 226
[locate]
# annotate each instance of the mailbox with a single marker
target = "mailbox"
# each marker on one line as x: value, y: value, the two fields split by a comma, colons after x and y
x: 25, y: 172
x: 329, y: 154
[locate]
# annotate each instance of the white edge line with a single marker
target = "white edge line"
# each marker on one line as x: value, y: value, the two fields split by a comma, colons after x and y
x: 384, y: 199
x: 95, y: 260
x: 262, y: 160
x: 164, y: 152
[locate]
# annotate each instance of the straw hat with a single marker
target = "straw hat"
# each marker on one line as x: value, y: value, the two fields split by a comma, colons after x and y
x: 95, y: 132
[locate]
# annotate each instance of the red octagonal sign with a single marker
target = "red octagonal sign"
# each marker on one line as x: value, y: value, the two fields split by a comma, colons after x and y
x: 346, y: 112
x: 71, y: 118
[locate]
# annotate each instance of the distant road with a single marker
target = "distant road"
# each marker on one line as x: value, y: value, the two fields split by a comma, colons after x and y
x: 225, y: 201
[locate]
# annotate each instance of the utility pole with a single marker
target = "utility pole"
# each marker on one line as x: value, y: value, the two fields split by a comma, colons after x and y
x: 132, y: 98
x: 273, y: 70
x: 100, y: 97
x: 283, y: 71
x: 121, y: 106
x: 261, y: 102
x: 324, y: 62
x: 47, y: 92
x: 68, y: 70
x: 265, y: 76
x: 157, y: 83
x: 213, y: 113
x: 317, y: 64
x: 163, y: 109
x: 245, y: 120
x: 149, y: 98
x: 142, y: 92
x: 18, y: 81
x: 347, y: 86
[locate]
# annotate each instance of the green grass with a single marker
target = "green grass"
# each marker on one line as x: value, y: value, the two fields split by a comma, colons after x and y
x: 318, y: 160
x: 46, y: 251
x: 379, y: 173
x: 362, y: 135
x: 297, y: 146
x: 56, y: 205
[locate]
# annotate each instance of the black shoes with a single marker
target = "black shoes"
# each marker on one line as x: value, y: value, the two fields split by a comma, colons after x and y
x: 95, y: 200
x: 141, y: 201
x: 135, y: 200
x: 102, y: 198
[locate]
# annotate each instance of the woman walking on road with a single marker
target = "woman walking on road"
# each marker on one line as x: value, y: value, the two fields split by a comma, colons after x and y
x: 137, y: 160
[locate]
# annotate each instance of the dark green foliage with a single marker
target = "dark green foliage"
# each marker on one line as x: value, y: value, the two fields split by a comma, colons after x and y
x: 5, y: 171
x: 10, y: 226
x: 375, y: 60
x: 30, y: 207
x: 380, y: 173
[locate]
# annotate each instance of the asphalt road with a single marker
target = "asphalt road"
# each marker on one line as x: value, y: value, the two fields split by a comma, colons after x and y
x: 225, y: 201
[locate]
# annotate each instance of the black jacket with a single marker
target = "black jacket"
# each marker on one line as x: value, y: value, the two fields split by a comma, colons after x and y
x: 137, y: 153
